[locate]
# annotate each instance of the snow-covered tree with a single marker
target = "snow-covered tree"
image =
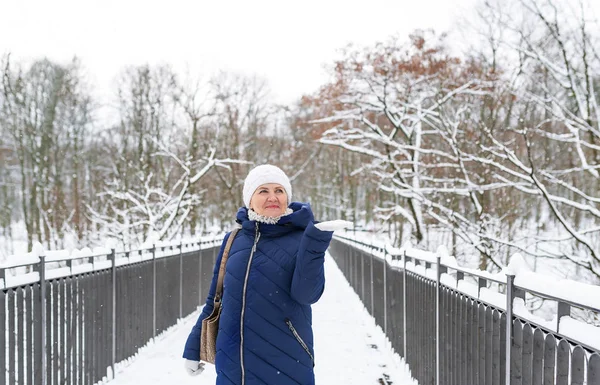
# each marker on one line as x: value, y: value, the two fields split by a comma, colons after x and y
x: 45, y: 115
x: 480, y: 148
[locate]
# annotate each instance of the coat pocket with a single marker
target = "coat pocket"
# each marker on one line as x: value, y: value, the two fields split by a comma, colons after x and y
x: 299, y: 339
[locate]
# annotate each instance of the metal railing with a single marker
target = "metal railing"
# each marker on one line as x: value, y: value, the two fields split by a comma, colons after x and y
x: 73, y: 323
x: 449, y: 336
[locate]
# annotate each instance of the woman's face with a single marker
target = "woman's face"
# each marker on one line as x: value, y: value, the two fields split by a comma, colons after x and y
x: 269, y: 200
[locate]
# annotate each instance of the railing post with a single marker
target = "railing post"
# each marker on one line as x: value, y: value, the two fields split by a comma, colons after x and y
x: 510, y: 281
x: 459, y: 277
x: 3, y: 336
x: 564, y: 309
x: 180, y: 279
x: 350, y: 257
x: 215, y: 255
x: 114, y: 311
x: 361, y: 272
x: 43, y: 318
x: 404, y: 336
x: 439, y: 270
x: 153, y: 291
x: 372, y: 258
x: 200, y: 273
x: 385, y: 305
x: 481, y: 284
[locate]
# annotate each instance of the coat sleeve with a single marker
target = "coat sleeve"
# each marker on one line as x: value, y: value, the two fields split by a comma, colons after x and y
x: 308, y: 281
x: 192, y: 345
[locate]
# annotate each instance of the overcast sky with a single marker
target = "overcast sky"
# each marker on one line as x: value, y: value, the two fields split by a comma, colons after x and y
x: 287, y: 42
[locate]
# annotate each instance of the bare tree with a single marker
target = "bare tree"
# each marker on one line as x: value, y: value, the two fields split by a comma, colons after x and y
x: 165, y: 147
x: 45, y: 111
x: 552, y: 150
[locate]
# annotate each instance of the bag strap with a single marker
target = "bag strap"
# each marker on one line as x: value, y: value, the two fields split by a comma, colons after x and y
x: 219, y: 292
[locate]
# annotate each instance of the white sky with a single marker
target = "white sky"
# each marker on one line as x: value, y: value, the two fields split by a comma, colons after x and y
x: 286, y: 42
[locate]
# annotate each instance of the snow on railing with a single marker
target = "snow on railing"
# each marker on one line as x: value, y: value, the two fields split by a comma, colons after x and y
x: 100, y: 306
x: 19, y: 270
x: 567, y: 293
x: 507, y: 292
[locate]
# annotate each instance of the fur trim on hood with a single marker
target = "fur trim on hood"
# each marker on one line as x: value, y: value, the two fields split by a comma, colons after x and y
x: 254, y: 216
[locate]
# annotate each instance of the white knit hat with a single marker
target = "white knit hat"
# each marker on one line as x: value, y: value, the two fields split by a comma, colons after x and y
x: 264, y: 174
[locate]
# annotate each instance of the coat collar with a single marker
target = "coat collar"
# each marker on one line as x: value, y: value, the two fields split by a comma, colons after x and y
x: 298, y: 219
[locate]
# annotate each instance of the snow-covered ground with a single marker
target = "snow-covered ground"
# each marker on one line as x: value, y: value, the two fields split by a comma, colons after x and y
x: 349, y: 347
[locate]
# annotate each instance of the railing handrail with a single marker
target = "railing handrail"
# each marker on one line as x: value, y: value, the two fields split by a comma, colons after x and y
x: 483, y: 332
x: 90, y: 260
x: 482, y: 275
x: 130, y: 298
x: 471, y: 272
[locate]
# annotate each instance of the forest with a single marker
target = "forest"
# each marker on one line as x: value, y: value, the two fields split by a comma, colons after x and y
x: 491, y: 149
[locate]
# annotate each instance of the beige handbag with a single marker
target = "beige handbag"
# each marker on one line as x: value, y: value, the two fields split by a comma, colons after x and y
x: 210, y: 325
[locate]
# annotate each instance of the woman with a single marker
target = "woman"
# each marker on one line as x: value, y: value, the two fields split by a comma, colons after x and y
x: 273, y: 275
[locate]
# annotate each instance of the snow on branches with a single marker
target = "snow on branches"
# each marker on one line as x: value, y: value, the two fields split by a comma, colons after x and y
x: 483, y: 151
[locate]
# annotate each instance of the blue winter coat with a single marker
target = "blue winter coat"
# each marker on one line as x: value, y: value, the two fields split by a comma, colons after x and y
x: 265, y: 332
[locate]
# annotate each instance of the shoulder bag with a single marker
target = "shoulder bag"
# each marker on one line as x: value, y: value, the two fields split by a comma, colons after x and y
x: 210, y: 325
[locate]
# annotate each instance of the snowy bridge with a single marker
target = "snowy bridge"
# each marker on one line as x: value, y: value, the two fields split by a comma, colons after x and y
x: 109, y: 317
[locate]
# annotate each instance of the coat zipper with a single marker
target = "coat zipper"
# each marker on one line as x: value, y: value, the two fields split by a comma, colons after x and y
x: 299, y: 339
x: 256, y: 238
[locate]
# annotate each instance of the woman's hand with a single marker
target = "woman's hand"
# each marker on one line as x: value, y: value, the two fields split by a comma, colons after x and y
x: 193, y: 368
